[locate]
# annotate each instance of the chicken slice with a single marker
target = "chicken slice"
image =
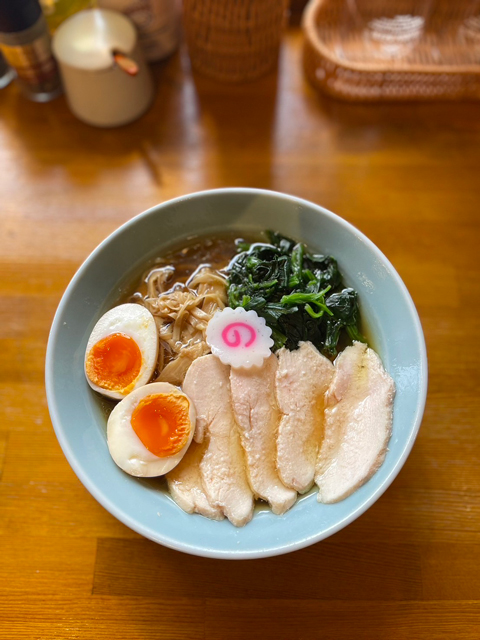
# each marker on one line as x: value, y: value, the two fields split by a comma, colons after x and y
x: 185, y: 484
x: 303, y: 376
x: 222, y: 469
x: 358, y: 423
x: 257, y: 415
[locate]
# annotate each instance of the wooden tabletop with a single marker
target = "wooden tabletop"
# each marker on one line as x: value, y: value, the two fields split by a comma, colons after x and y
x: 408, y: 177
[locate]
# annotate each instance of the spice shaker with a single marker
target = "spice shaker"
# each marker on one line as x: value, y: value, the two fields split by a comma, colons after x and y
x: 157, y: 22
x: 25, y: 43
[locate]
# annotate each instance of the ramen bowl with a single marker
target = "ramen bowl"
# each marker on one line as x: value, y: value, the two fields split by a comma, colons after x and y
x: 78, y: 414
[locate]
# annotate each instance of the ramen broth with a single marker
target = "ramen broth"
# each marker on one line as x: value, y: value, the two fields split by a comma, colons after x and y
x: 214, y: 251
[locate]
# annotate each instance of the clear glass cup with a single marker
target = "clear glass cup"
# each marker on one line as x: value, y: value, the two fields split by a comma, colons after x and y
x: 384, y: 30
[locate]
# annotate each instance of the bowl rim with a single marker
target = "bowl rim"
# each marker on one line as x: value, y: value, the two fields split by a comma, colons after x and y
x: 118, y: 512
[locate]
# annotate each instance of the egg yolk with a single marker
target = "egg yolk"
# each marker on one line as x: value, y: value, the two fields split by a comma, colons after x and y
x: 114, y: 362
x: 162, y: 422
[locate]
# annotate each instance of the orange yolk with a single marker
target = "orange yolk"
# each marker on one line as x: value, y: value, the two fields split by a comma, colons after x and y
x: 114, y: 362
x: 162, y: 422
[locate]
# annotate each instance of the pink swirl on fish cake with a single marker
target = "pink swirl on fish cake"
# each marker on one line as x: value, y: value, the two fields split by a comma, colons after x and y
x: 237, y: 341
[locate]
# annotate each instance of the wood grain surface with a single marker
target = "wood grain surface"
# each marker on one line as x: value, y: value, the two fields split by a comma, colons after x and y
x: 408, y: 177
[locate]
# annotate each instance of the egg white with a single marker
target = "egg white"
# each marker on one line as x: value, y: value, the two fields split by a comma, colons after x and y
x: 138, y: 323
x: 126, y: 448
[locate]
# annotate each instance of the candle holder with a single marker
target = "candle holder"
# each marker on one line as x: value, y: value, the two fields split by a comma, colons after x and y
x: 107, y: 82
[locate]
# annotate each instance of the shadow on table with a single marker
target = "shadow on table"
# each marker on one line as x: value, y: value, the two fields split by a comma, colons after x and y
x: 363, y: 562
x: 53, y: 136
x: 238, y: 123
x: 208, y: 129
x: 453, y: 115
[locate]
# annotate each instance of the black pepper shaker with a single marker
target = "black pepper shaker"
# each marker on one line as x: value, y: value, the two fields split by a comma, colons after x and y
x: 25, y: 44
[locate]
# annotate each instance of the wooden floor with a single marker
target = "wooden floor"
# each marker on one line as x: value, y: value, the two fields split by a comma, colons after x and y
x: 408, y: 177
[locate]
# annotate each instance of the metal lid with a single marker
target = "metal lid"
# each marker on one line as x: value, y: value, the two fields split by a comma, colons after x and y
x: 18, y: 15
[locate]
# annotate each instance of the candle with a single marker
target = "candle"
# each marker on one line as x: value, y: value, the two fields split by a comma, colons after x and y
x: 106, y: 80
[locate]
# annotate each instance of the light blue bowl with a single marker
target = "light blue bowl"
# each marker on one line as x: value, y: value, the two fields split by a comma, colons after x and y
x: 78, y: 417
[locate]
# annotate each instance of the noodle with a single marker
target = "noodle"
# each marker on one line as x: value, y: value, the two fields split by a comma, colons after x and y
x: 182, y: 313
x: 158, y: 279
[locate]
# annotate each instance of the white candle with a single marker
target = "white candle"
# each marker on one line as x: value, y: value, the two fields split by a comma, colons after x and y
x: 98, y: 91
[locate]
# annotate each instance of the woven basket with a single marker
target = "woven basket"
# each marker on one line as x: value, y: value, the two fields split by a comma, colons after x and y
x: 234, y: 40
x: 369, y: 50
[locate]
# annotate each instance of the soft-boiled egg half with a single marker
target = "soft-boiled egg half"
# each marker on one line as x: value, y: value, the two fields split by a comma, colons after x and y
x: 122, y: 351
x: 150, y: 430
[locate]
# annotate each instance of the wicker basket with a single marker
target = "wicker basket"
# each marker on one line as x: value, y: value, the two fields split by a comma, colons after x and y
x: 368, y: 50
x: 234, y: 40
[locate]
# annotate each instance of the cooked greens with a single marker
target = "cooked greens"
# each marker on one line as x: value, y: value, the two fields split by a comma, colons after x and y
x: 300, y: 295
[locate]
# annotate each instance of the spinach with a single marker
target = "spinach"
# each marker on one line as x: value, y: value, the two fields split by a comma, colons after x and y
x: 300, y: 295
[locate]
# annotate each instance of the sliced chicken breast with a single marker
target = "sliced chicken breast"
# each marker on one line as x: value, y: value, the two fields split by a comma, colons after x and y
x: 358, y: 423
x: 303, y: 376
x: 185, y: 484
x: 257, y: 415
x: 222, y: 469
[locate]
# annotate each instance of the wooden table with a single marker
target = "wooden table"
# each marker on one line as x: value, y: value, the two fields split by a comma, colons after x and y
x: 408, y: 177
